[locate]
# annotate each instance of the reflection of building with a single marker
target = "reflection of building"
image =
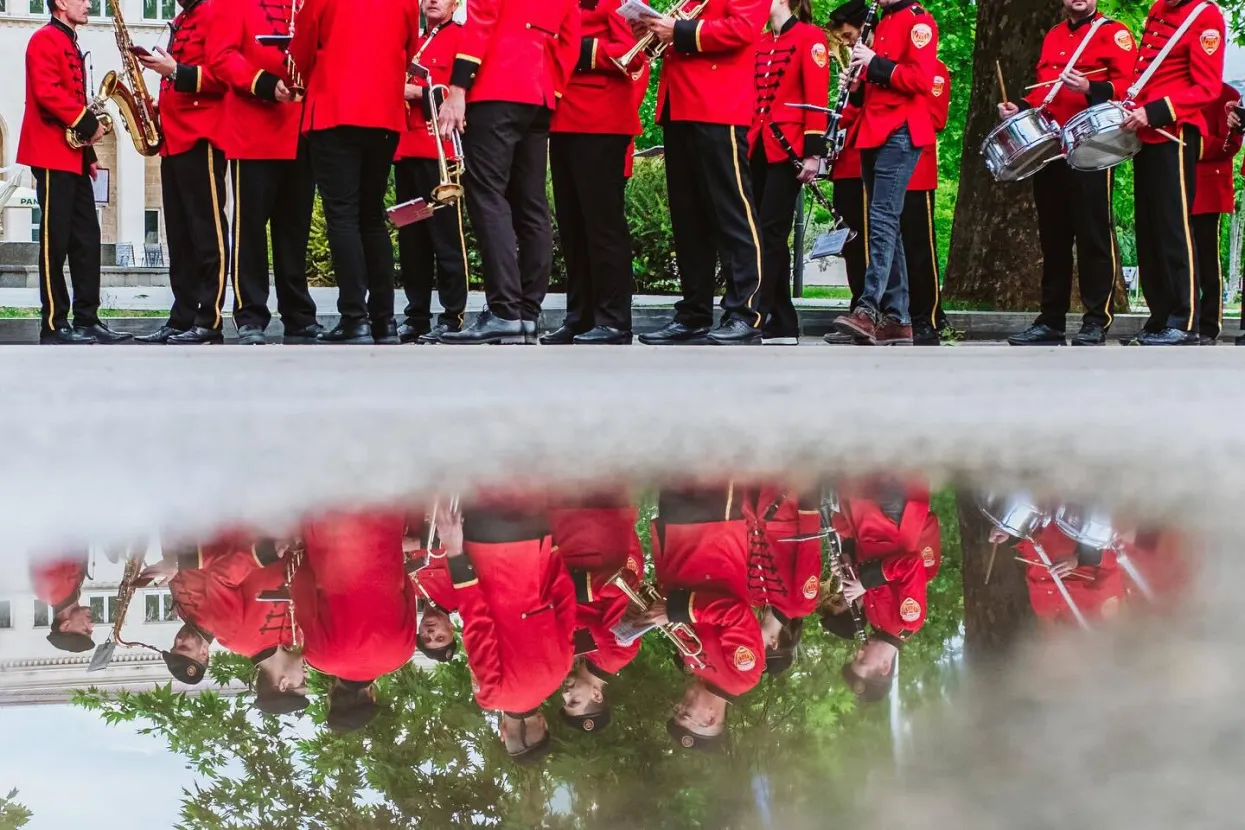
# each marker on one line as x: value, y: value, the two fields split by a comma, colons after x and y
x: 132, y: 212
x: 32, y: 671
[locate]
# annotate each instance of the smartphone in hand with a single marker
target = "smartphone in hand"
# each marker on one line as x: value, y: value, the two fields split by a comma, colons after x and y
x: 140, y: 51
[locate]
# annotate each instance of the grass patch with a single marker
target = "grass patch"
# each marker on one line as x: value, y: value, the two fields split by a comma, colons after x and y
x: 11, y: 313
x: 827, y: 292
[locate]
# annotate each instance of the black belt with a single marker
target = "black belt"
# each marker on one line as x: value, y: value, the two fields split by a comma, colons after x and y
x: 494, y: 527
x: 693, y: 507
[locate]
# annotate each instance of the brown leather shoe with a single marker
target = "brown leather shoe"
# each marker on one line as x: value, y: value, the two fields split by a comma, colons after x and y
x: 859, y: 324
x: 891, y: 332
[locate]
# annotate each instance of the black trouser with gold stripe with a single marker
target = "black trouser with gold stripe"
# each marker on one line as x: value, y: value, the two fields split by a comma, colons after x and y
x: 280, y: 192
x: 589, y: 195
x: 715, y: 220
x: 850, y: 201
x: 776, y: 189
x: 68, y: 229
x: 432, y: 252
x: 193, y: 186
x: 1165, y: 183
x: 1209, y: 273
x: 916, y: 226
x: 1074, y: 212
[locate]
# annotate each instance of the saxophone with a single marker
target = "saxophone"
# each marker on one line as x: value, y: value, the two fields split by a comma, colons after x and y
x: 97, y: 108
x: 137, y: 107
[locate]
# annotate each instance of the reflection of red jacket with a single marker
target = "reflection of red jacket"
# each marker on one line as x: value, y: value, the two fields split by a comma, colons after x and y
x: 207, y: 587
x: 891, y: 559
x: 702, y: 571
x: 1166, y: 560
x: 58, y: 581
x: 785, y: 575
x: 353, y: 600
x: 1216, y: 186
x: 595, y: 544
x: 1098, y: 599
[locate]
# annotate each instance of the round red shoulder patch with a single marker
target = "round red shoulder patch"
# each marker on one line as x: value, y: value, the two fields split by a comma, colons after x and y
x: 1211, y: 41
x: 922, y: 34
x: 745, y: 660
x: 1124, y: 40
x: 811, y: 586
x: 633, y: 565
x: 940, y: 84
x: 910, y: 610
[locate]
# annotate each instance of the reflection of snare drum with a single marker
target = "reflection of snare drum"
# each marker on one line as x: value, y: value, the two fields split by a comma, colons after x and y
x: 1017, y: 514
x: 1086, y: 526
x: 1021, y: 145
x: 1094, y: 139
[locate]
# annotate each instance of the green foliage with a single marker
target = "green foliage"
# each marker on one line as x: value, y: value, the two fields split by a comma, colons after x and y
x: 12, y: 814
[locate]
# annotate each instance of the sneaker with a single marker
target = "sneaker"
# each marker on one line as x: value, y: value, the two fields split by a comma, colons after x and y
x: 780, y: 340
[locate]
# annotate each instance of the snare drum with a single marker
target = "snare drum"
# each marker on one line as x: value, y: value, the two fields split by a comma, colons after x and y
x: 1016, y: 514
x: 1094, y: 139
x: 1086, y: 526
x: 1021, y: 145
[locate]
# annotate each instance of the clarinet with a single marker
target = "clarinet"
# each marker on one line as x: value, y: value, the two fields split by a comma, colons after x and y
x: 835, y: 137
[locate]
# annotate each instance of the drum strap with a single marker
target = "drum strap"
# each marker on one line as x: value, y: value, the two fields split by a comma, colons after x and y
x: 1136, y: 88
x: 1076, y: 56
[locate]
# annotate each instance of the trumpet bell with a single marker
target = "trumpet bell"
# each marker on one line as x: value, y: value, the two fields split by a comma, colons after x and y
x: 448, y: 194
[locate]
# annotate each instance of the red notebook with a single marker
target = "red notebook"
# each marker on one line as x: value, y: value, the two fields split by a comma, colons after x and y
x: 408, y: 213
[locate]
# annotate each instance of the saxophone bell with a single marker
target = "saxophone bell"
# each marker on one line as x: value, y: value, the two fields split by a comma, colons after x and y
x: 98, y: 108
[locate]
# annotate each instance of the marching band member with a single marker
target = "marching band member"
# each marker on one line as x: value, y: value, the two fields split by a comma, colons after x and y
x: 895, y: 127
x: 272, y: 181
x: 433, y: 251
x: 192, y: 180
x: 916, y: 226
x: 58, y: 582
x: 1165, y: 171
x: 784, y: 575
x: 704, y: 105
x: 1074, y: 206
x: 515, y: 60
x: 849, y: 188
x: 590, y: 148
x: 354, y: 64
x: 1216, y: 196
x: 56, y: 105
x: 792, y: 67
x: 897, y: 545
x: 596, y: 539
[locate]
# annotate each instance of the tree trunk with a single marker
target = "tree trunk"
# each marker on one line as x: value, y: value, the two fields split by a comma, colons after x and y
x: 995, y: 614
x: 995, y: 259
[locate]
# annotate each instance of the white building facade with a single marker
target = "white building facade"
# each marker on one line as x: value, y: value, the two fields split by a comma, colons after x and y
x: 132, y: 212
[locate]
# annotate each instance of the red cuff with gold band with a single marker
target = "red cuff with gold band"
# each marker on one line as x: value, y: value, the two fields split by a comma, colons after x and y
x: 86, y: 125
x: 465, y: 69
x: 587, y: 54
x: 265, y: 86
x: 583, y: 585
x: 188, y: 78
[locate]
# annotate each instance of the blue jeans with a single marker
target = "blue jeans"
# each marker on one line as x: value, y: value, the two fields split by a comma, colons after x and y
x: 887, y: 170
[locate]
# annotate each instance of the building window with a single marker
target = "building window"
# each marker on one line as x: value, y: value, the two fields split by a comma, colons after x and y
x: 151, y: 227
x: 101, y: 609
x: 43, y: 614
x: 36, y: 222
x: 38, y: 7
x: 159, y: 607
x: 100, y: 8
x: 6, y: 614
x: 159, y: 9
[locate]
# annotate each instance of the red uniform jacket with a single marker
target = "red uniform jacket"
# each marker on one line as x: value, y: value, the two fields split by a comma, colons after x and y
x: 517, y: 605
x: 848, y: 164
x: 353, y: 58
x: 436, y: 53
x: 891, y: 559
x: 207, y: 589
x: 254, y: 125
x: 1167, y: 560
x: 706, y: 74
x: 900, y: 77
x: 56, y: 98
x: 784, y: 575
x: 595, y: 544
x: 1112, y: 49
x: 1216, y: 180
x: 925, y: 176
x: 190, y: 107
x: 518, y: 50
x: 1098, y: 599
x: 600, y: 97
x: 702, y: 570
x: 58, y: 581
x: 792, y: 67
x: 258, y: 626
x: 352, y: 598
x: 1192, y: 75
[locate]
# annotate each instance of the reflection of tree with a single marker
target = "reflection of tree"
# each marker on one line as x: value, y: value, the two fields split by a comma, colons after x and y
x: 433, y: 759
x: 995, y: 615
x: 12, y: 814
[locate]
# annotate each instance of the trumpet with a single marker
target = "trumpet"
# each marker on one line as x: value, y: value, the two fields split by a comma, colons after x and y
x: 98, y: 109
x: 644, y: 597
x: 649, y: 45
x: 451, y: 166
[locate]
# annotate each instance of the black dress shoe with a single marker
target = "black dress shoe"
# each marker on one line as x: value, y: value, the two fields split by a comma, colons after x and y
x: 410, y: 332
x: 529, y: 332
x: 603, y: 336
x: 1239, y: 341
x: 66, y: 336
x: 350, y: 334
x: 561, y: 336
x: 303, y: 335
x: 158, y: 337
x: 1038, y: 334
x: 734, y: 332
x: 675, y: 333
x: 1207, y: 340
x: 198, y: 336
x: 923, y: 334
x: 104, y: 335
x: 439, y: 331
x: 1091, y: 334
x: 487, y: 328
x: 1168, y: 337
x: 385, y: 332
x: 251, y: 336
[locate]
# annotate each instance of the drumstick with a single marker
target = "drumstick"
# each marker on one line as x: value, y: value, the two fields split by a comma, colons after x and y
x: 1158, y: 130
x: 998, y: 68
x: 1068, y: 575
x: 994, y: 550
x: 1052, y: 83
